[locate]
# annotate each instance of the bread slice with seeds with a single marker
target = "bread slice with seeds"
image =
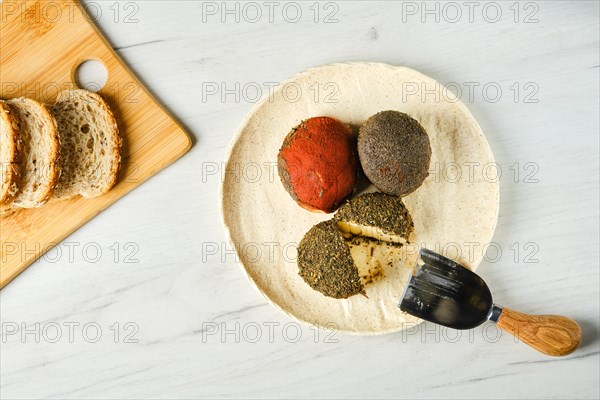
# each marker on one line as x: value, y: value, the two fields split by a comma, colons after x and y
x: 90, y: 144
x: 10, y: 144
x: 39, y: 152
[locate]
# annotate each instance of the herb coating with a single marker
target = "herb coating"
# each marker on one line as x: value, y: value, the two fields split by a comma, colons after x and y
x: 325, y: 263
x: 378, y: 210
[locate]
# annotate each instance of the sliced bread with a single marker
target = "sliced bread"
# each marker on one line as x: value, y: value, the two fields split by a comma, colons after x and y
x: 10, y: 144
x: 89, y: 144
x: 39, y: 152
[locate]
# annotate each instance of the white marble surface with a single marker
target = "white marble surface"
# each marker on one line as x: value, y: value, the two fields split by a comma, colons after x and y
x: 177, y: 292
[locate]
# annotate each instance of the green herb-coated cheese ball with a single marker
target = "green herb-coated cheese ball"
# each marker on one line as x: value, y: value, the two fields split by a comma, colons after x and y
x: 325, y: 263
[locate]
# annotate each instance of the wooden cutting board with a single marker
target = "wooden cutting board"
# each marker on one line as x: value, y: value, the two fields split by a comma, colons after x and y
x: 41, y: 45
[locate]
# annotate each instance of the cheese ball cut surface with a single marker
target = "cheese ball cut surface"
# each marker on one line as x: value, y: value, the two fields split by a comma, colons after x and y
x: 318, y: 163
x: 394, y: 152
x: 376, y: 215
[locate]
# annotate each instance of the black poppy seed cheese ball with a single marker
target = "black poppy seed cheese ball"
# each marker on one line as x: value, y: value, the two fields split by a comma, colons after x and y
x: 395, y: 152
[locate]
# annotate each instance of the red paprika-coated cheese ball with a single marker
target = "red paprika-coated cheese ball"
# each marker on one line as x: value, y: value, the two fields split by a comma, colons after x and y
x: 318, y: 163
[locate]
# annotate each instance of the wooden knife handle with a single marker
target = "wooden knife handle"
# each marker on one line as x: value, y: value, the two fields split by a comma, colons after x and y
x: 550, y: 334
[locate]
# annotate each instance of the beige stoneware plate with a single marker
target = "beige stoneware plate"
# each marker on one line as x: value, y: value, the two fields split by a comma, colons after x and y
x: 456, y: 206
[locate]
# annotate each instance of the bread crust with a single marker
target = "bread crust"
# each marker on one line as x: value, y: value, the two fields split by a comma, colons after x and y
x: 10, y: 168
x: 53, y: 167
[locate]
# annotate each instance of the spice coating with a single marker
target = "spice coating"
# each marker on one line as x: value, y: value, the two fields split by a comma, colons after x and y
x: 378, y: 210
x: 395, y: 152
x: 325, y: 263
x: 318, y: 163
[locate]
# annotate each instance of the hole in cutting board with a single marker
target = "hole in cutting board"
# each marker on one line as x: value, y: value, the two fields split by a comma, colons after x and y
x: 91, y: 75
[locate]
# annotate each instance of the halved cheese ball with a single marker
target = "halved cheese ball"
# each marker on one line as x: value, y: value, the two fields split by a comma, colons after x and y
x: 376, y: 215
x: 325, y: 262
x: 340, y: 257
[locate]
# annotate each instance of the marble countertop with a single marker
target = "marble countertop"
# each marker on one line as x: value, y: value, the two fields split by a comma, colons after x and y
x: 147, y: 300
